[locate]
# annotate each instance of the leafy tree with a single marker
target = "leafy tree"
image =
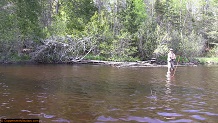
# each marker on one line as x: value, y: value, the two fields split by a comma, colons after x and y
x: 7, y: 30
x: 7, y: 22
x: 76, y: 14
x: 28, y: 14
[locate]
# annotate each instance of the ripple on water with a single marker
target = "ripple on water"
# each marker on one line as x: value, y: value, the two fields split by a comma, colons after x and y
x: 47, y: 116
x: 198, y: 117
x: 29, y: 101
x: 141, y: 119
x: 6, y: 94
x: 61, y: 120
x: 43, y: 108
x: 4, y: 104
x: 209, y: 113
x: 11, y: 99
x: 32, y: 114
x: 104, y: 118
x: 181, y: 121
x: 5, y: 86
x: 169, y: 114
x: 39, y: 96
x: 150, y: 108
x: 191, y: 111
x: 25, y: 111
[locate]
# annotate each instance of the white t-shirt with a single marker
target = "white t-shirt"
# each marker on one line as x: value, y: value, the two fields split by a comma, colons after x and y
x: 171, y: 55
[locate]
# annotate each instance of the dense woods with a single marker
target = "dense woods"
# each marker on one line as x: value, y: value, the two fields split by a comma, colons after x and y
x: 52, y: 31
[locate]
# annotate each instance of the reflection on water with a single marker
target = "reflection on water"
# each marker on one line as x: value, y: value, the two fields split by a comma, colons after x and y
x: 71, y: 93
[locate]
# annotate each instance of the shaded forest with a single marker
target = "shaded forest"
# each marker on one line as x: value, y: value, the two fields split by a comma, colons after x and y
x: 53, y: 31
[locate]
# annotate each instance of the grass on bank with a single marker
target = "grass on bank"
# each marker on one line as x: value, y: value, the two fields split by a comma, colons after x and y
x: 206, y: 60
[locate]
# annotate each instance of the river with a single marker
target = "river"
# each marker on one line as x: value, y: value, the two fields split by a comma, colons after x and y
x: 99, y: 94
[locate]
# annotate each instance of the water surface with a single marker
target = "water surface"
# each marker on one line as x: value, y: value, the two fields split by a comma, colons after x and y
x: 98, y: 94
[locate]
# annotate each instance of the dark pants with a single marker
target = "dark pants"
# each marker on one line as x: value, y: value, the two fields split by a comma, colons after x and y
x: 171, y: 65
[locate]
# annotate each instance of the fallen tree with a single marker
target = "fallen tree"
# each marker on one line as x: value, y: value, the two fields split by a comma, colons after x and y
x: 62, y: 49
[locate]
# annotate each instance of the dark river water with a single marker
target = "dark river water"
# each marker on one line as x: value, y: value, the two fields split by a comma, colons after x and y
x: 99, y: 94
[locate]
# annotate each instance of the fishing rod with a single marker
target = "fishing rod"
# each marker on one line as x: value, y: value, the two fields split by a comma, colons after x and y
x: 176, y: 66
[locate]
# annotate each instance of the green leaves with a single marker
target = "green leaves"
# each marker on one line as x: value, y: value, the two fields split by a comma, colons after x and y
x: 28, y: 14
x: 77, y: 14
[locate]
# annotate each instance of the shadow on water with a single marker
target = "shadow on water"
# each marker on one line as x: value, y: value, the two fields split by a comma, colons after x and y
x: 85, y: 93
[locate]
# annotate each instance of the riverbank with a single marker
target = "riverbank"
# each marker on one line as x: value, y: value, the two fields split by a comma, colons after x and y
x: 106, y: 63
x: 204, y: 61
x: 127, y: 64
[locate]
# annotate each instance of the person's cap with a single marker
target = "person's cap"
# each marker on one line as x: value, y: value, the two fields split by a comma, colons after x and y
x: 171, y: 49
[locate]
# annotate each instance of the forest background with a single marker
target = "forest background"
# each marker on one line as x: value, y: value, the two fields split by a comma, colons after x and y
x: 56, y: 31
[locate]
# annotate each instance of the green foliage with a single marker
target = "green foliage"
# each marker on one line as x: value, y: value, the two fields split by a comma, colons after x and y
x: 77, y: 14
x: 212, y: 25
x: 102, y: 30
x: 58, y: 27
x: 133, y: 15
x: 123, y: 49
x: 139, y: 10
x: 213, y: 52
x: 109, y: 46
x: 95, y: 57
x: 181, y: 59
x: 161, y: 50
x: 162, y: 59
x: 192, y: 45
x: 27, y: 15
x: 207, y: 60
x: 16, y: 58
x: 8, y: 28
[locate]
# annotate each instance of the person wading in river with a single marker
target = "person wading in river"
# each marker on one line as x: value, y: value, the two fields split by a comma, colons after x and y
x: 170, y: 60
